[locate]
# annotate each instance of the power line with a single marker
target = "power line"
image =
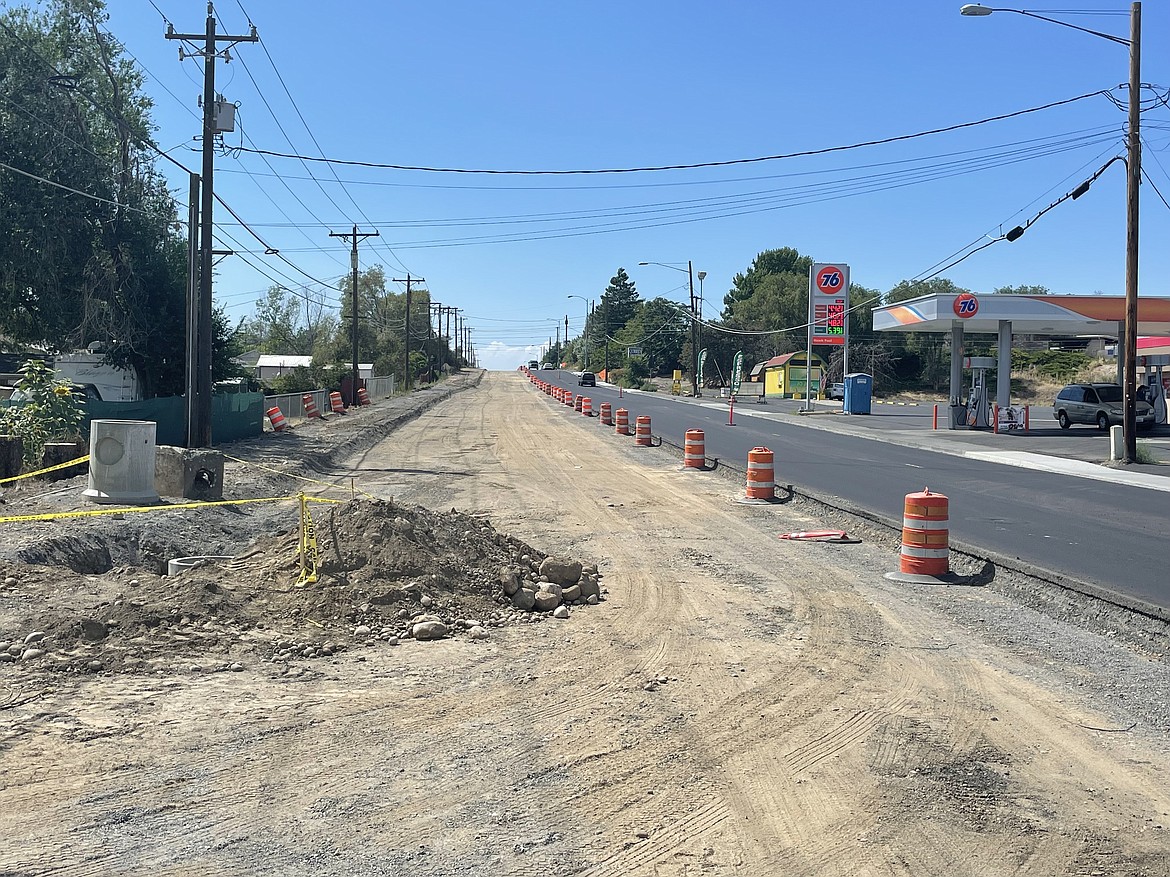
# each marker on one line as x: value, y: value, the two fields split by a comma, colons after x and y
x: 676, y: 167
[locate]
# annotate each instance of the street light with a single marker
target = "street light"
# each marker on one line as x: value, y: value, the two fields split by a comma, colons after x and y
x: 1133, y: 164
x: 694, y: 322
x: 585, y: 329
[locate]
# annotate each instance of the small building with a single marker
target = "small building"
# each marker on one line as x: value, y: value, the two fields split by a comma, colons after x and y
x: 272, y: 365
x: 784, y: 375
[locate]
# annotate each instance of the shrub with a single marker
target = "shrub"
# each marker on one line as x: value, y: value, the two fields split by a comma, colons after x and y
x: 48, y: 410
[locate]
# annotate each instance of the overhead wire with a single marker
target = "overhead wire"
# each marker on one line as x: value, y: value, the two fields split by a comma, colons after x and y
x: 697, y: 165
x: 376, y: 244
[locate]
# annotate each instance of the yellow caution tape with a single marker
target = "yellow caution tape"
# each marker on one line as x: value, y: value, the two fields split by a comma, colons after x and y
x: 309, y: 555
x: 66, y: 465
x: 298, y: 477
x: 93, y: 513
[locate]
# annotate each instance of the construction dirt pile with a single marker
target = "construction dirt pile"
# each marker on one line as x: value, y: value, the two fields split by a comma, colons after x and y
x: 90, y: 594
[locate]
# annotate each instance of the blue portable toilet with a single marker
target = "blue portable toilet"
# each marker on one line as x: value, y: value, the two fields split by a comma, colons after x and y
x: 858, y: 393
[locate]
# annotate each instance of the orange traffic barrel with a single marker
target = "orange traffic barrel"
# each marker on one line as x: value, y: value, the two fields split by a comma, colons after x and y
x: 310, y: 405
x: 925, y: 534
x: 336, y: 403
x: 761, y: 483
x: 586, y: 407
x: 623, y: 422
x: 278, y: 421
x: 363, y: 396
x: 577, y: 402
x: 569, y: 398
x: 694, y: 449
x: 642, y: 430
x: 606, y: 414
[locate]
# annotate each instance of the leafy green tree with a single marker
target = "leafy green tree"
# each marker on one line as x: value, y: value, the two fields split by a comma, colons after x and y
x: 660, y: 328
x: 1022, y: 290
x: 909, y: 289
x: 76, y: 269
x: 769, y: 264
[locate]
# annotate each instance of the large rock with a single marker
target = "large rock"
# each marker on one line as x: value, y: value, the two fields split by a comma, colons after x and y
x: 429, y: 630
x: 571, y: 593
x: 544, y: 601
x: 589, y: 587
x: 550, y: 588
x: 509, y: 581
x: 524, y: 599
x: 560, y: 570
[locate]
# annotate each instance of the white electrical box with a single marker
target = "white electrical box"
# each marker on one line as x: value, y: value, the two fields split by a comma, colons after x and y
x: 223, y: 118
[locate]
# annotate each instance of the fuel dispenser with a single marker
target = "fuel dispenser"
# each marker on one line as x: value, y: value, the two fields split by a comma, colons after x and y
x: 1155, y: 384
x: 978, y: 403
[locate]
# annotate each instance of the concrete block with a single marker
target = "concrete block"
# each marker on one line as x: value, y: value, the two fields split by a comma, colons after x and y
x: 191, y: 473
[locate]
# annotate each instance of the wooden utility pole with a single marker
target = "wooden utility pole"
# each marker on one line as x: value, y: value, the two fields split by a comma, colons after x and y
x: 407, y: 378
x: 353, y: 261
x: 199, y: 384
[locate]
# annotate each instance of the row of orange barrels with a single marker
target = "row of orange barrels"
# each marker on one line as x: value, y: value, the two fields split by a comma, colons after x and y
x: 336, y: 405
x: 925, y: 517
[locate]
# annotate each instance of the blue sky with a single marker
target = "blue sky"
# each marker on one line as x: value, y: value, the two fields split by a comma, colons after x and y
x: 540, y: 86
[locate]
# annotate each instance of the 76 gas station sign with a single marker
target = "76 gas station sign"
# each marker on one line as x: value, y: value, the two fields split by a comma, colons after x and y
x: 828, y: 303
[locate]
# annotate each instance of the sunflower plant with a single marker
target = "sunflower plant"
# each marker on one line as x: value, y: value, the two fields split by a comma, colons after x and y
x: 48, y: 410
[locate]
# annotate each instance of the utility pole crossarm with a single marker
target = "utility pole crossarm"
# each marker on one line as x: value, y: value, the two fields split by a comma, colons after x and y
x: 354, y: 236
x: 200, y: 318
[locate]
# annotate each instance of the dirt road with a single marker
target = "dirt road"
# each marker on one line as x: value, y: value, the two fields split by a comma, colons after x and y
x: 738, y: 705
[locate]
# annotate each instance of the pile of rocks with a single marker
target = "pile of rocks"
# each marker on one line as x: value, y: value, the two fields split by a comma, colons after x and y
x: 551, y: 585
x: 26, y: 648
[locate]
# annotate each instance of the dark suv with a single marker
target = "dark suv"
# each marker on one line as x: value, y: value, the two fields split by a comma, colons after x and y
x: 587, y: 379
x: 1101, y: 404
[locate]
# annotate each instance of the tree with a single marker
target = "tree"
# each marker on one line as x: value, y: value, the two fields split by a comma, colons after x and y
x: 619, y: 301
x: 909, y: 289
x: 1022, y: 290
x: 769, y: 263
x: 659, y: 327
x: 74, y: 269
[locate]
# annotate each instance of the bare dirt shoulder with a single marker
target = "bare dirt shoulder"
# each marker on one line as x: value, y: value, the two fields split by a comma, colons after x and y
x: 738, y: 705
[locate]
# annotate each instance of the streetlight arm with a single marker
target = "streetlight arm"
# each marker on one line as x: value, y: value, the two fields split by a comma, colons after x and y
x: 975, y: 9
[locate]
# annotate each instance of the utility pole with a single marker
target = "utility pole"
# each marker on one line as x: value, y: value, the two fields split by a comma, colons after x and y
x: 199, y: 432
x: 605, y: 319
x: 694, y: 338
x: 353, y: 261
x: 407, y: 380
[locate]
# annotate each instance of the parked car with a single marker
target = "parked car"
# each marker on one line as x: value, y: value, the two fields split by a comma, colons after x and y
x: 548, y: 366
x: 1100, y: 404
x: 836, y: 391
x: 587, y: 379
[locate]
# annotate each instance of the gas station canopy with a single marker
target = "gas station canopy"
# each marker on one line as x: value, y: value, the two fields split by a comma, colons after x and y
x: 1028, y: 314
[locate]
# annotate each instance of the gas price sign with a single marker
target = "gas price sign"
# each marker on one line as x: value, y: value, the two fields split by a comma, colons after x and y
x: 828, y: 299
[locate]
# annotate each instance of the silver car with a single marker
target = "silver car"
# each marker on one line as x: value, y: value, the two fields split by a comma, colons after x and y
x: 1100, y: 404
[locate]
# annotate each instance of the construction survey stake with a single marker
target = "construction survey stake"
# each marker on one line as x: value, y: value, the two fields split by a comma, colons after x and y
x: 828, y: 303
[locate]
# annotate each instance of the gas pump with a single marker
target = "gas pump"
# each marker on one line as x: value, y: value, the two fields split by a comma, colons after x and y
x: 978, y: 406
x: 1155, y: 384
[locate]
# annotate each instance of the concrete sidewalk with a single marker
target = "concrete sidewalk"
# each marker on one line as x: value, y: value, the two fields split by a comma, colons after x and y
x: 1082, y: 451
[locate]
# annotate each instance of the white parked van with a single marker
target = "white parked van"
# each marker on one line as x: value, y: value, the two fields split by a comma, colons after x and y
x: 100, y: 381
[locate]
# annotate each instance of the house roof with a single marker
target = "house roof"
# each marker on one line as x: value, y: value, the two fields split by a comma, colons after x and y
x: 781, y: 360
x: 282, y: 360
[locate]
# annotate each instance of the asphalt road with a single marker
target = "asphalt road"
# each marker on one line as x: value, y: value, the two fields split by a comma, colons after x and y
x: 1108, y: 535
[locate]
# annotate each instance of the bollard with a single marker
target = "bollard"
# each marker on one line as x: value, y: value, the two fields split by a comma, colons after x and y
x: 363, y: 396
x: 760, y: 481
x: 694, y: 449
x: 606, y: 414
x: 586, y: 407
x: 310, y: 405
x: 278, y: 421
x: 642, y: 431
x: 935, y: 424
x: 925, y: 537
x: 336, y: 403
x: 1027, y: 415
x: 623, y: 422
x: 731, y: 411
x: 577, y: 402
